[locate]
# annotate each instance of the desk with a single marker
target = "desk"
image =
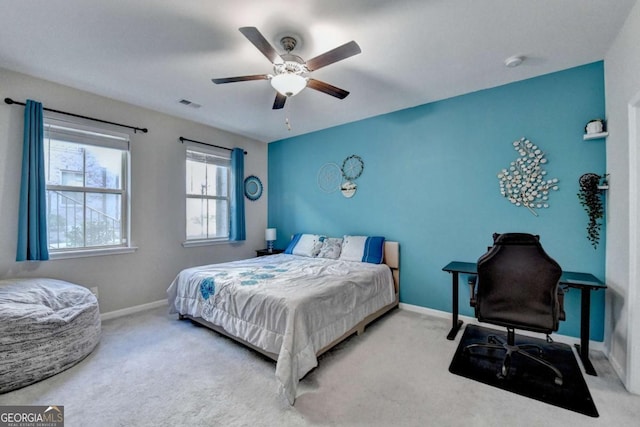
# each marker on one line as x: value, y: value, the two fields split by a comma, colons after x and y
x: 584, y: 281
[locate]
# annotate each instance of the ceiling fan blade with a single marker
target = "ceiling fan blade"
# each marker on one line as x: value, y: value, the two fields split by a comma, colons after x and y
x: 278, y: 103
x: 240, y: 79
x: 334, y: 55
x: 327, y: 88
x: 262, y: 44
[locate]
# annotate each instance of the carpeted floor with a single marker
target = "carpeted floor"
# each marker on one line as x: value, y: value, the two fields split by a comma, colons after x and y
x: 153, y: 370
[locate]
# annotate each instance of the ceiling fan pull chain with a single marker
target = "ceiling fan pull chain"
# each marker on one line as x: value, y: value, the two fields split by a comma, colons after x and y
x: 287, y: 114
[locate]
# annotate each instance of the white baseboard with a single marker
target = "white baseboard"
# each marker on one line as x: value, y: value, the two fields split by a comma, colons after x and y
x: 131, y: 310
x: 618, y: 369
x: 593, y: 345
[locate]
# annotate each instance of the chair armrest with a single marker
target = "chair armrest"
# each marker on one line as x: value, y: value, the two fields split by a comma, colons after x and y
x: 472, y: 290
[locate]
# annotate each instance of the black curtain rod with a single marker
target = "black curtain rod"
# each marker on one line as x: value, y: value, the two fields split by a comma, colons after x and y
x: 183, y: 139
x: 135, y: 129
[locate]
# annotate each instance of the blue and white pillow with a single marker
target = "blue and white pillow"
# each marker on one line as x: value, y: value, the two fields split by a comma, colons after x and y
x: 304, y: 245
x: 363, y: 248
x: 331, y: 248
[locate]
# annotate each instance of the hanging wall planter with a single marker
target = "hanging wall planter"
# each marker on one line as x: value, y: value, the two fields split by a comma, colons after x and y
x: 590, y: 196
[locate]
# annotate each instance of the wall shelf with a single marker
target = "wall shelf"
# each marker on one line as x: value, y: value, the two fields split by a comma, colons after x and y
x: 600, y: 135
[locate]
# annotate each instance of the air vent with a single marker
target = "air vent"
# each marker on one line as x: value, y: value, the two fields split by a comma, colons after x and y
x: 189, y: 103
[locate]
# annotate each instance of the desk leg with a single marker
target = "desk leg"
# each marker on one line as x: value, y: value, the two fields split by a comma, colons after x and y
x: 583, y: 347
x: 456, y: 324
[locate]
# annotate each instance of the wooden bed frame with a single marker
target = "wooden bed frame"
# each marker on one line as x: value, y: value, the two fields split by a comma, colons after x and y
x: 391, y: 258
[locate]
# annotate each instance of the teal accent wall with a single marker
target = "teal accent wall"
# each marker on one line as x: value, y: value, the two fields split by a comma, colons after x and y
x: 430, y: 182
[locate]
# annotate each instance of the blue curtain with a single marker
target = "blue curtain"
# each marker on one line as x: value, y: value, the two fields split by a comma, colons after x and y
x: 32, y: 221
x: 237, y: 230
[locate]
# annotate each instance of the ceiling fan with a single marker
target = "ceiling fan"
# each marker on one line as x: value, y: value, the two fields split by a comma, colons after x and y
x: 289, y: 70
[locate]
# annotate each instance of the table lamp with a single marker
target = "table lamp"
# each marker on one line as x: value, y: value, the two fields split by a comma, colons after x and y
x: 270, y: 237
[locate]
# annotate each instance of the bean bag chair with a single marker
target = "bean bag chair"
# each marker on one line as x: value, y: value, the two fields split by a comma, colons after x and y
x: 46, y: 326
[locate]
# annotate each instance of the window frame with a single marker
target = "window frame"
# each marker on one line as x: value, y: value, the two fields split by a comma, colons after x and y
x: 85, y: 134
x: 223, y: 159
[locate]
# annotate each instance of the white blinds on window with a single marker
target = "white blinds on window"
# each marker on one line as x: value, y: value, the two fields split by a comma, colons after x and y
x: 81, y: 134
x: 208, y: 158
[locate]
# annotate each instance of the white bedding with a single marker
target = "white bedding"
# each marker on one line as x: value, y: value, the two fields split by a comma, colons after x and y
x: 289, y: 305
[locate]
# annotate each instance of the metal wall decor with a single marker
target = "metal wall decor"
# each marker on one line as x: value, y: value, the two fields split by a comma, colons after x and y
x: 525, y: 183
x: 329, y: 177
x: 332, y: 177
x: 352, y: 168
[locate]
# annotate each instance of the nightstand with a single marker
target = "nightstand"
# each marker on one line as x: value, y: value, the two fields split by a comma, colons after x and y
x: 263, y: 252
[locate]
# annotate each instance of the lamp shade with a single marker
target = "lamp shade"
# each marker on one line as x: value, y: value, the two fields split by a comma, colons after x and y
x: 288, y: 84
x: 270, y: 234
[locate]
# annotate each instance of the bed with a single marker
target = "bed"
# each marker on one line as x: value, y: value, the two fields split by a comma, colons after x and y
x: 291, y: 307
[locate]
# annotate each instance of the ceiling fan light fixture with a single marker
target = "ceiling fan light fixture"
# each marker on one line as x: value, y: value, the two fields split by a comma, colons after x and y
x: 288, y: 84
x: 290, y: 72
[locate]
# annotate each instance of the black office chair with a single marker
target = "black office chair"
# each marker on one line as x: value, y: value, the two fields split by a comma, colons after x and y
x: 517, y: 287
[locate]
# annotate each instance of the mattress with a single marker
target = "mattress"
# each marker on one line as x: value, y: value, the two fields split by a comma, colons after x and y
x: 284, y: 304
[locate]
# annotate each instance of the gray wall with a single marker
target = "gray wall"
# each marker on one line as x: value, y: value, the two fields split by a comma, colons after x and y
x: 622, y: 86
x: 157, y: 192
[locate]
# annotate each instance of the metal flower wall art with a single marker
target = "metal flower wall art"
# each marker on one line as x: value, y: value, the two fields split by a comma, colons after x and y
x: 525, y: 183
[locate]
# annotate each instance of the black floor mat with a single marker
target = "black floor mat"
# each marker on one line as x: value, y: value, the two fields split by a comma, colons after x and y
x: 526, y: 377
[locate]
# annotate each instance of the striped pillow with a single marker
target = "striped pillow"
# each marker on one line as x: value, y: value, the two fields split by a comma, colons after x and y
x: 363, y: 248
x: 304, y: 245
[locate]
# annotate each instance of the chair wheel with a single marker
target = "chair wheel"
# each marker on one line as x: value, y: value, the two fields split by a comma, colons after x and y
x: 506, y: 367
x: 558, y: 381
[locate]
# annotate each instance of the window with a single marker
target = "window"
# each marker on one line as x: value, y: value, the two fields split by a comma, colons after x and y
x: 86, y: 173
x: 208, y: 203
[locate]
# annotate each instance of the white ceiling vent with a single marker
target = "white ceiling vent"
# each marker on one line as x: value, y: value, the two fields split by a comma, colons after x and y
x: 189, y: 103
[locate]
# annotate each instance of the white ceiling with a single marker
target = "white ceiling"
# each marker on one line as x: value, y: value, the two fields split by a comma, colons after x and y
x: 153, y: 53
